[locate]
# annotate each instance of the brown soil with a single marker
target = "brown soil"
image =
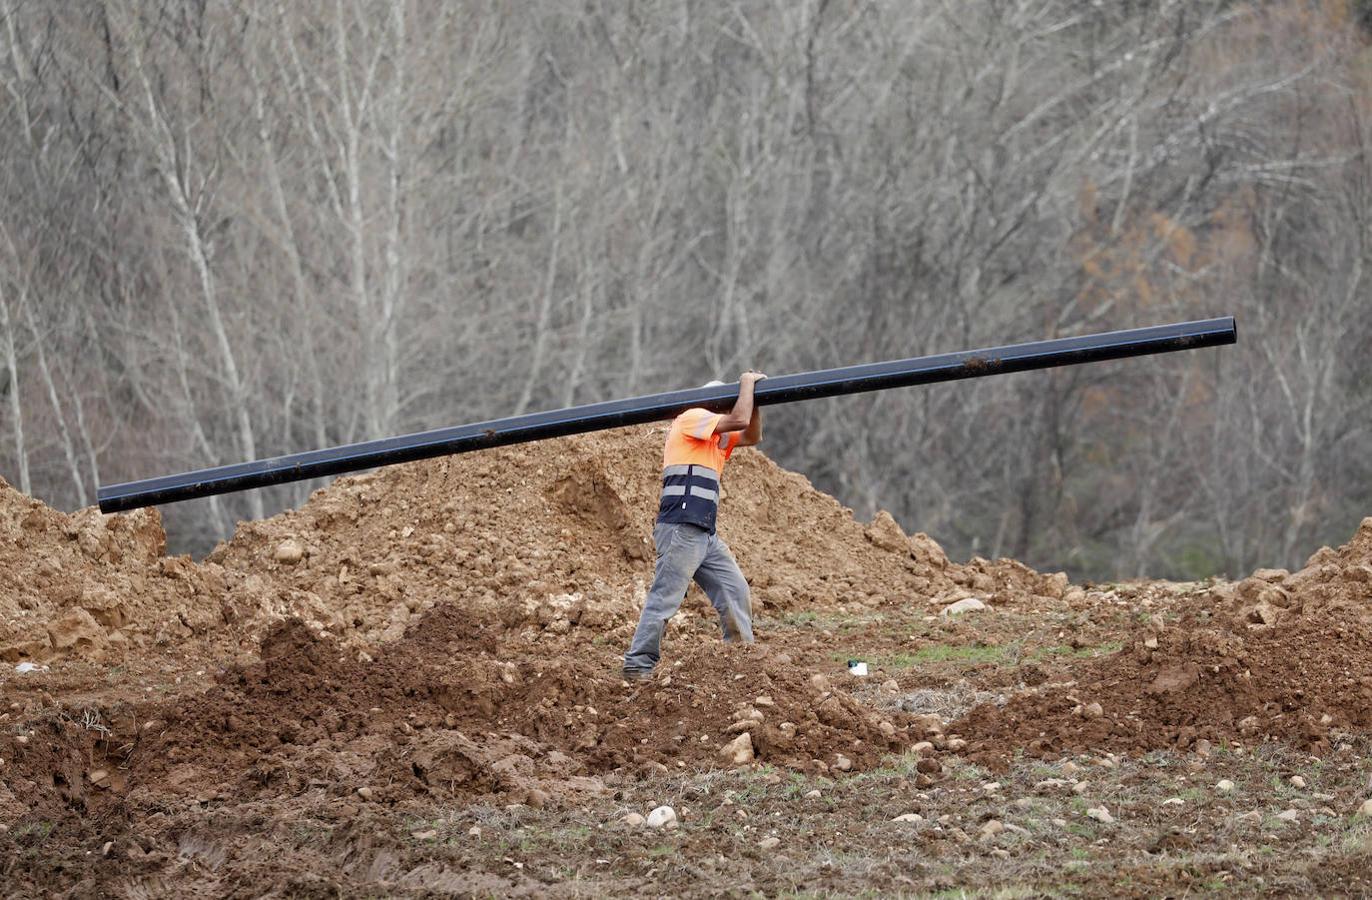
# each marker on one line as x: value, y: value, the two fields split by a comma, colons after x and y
x: 1279, y: 655
x: 445, y: 636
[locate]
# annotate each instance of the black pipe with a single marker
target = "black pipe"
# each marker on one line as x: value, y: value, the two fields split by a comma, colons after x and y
x: 617, y: 413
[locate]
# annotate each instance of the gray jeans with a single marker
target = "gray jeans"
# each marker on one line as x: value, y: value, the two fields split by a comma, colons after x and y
x: 685, y: 552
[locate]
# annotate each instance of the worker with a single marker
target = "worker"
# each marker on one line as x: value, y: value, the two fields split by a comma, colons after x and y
x: 698, y: 444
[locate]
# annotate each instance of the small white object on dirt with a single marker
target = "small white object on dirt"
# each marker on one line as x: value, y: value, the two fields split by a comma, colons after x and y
x: 991, y: 787
x: 991, y: 829
x: 364, y: 792
x: 1081, y: 787
x: 965, y: 605
x: 661, y: 817
x: 1289, y: 815
x: 1224, y: 786
x: 764, y: 700
x: 887, y: 729
x: 813, y: 795
x: 428, y: 835
x: 908, y: 817
x: 1366, y: 809
x: 25, y: 667
x: 769, y: 843
x: 842, y: 763
x: 474, y: 831
x: 1297, y: 781
x: 858, y: 669
x: 1100, y: 814
x: 1173, y: 801
x: 1049, y: 784
x: 633, y: 820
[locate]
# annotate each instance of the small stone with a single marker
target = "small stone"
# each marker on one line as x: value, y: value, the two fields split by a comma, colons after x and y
x: 289, y: 552
x: 842, y: 763
x: 764, y: 700
x: 908, y: 817
x: 1049, y: 784
x: 887, y: 729
x: 1081, y: 787
x: 1000, y: 853
x: 991, y: 787
x: 769, y: 843
x: 928, y: 765
x: 922, y: 747
x: 364, y: 792
x: 1023, y: 803
x: 965, y: 605
x: 1100, y: 814
x: 661, y: 817
x: 426, y: 835
x: 991, y: 829
x: 475, y: 830
x: 1202, y: 747
x: 890, y: 686
x: 819, y: 681
x: 1091, y: 711
x: 1070, y: 768
x: 21, y: 739
x: 956, y: 744
x: 1173, y: 801
x: 813, y: 795
x: 1061, y: 823
x: 1289, y: 815
x: 1253, y: 816
x: 1224, y: 786
x: 633, y: 820
x: 1365, y: 811
x: 1151, y: 643
x: 739, y: 751
x: 1297, y: 781
x: 106, y: 848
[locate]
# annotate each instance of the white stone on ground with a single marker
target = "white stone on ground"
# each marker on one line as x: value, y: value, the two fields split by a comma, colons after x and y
x: 965, y: 605
x: 661, y: 817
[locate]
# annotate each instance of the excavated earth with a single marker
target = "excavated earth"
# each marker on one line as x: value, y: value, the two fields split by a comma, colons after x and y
x: 289, y: 716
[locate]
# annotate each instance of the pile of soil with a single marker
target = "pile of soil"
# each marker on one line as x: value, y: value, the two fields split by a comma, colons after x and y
x: 1278, y: 655
x: 556, y: 537
x: 96, y: 586
x: 446, y: 712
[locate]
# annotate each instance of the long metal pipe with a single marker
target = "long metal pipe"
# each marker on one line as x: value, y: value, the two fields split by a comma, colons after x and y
x: 655, y: 407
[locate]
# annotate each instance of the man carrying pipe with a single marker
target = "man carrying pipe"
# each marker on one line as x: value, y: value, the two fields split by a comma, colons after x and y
x: 698, y: 444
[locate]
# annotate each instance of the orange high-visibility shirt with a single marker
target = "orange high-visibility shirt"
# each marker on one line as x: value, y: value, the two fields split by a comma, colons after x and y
x: 692, y: 441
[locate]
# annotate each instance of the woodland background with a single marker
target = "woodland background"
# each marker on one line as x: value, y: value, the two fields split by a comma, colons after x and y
x: 232, y: 230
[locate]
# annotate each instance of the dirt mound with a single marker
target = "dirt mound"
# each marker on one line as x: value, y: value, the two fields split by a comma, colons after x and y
x: 448, y: 711
x: 95, y: 586
x: 1279, y: 654
x: 555, y: 537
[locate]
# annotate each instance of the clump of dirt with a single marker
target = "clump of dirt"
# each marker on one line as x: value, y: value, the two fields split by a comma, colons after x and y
x: 1277, y: 655
x: 555, y: 538
x: 95, y: 586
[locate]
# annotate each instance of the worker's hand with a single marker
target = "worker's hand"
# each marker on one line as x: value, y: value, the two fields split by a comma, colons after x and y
x: 750, y: 377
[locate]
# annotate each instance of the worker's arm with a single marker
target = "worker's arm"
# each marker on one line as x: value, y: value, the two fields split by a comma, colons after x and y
x: 741, y: 416
x: 752, y: 435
